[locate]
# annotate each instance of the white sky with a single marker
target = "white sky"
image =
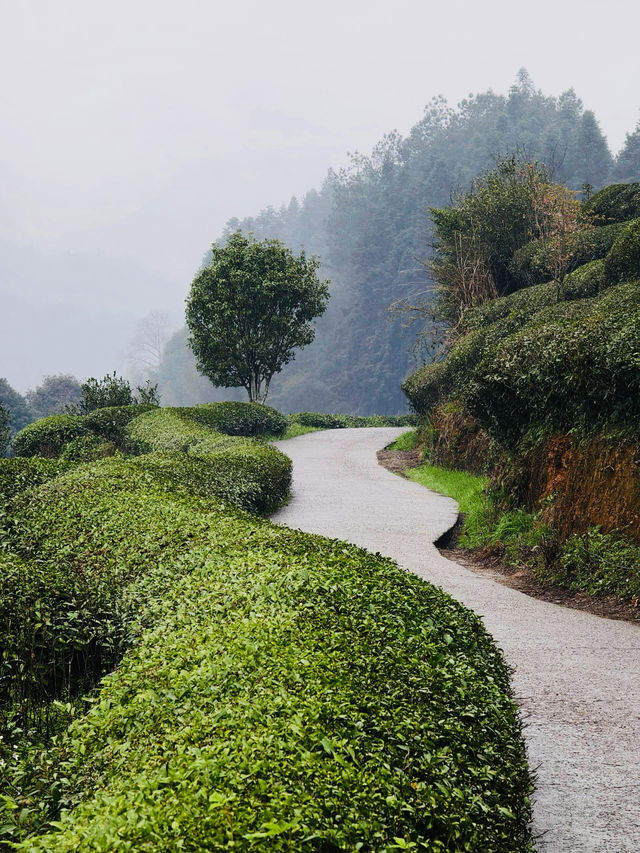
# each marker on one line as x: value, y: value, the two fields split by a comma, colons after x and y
x: 136, y: 128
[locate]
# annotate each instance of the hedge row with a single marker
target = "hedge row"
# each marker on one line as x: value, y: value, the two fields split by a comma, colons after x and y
x: 48, y: 436
x: 247, y: 419
x: 324, y: 420
x: 615, y: 203
x: 191, y: 456
x: 289, y: 692
x: 565, y: 364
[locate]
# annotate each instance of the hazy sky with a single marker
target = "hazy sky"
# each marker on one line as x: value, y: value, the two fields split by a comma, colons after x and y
x: 131, y: 131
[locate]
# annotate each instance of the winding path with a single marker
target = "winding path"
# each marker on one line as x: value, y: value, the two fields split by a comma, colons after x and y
x: 577, y: 676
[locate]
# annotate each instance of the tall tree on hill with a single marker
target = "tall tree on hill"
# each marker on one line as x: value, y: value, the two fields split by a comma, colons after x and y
x: 15, y: 404
x: 627, y: 168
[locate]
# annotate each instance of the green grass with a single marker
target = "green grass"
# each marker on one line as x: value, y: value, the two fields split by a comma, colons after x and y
x: 466, y: 489
x: 295, y: 429
x: 407, y: 441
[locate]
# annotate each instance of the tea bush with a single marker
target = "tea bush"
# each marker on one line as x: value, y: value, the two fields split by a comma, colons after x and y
x: 231, y: 418
x: 280, y: 690
x: 615, y: 203
x: 48, y: 436
x: 623, y: 261
x: 291, y: 692
x: 529, y: 266
x: 324, y: 420
x: 110, y: 422
x: 87, y: 448
x: 188, y: 454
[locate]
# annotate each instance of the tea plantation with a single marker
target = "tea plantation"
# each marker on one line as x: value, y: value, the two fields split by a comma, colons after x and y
x: 249, y: 687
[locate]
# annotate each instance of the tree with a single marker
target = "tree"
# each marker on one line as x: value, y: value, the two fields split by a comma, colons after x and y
x: 54, y: 395
x: 627, y: 167
x: 563, y: 224
x: 15, y: 404
x: 5, y: 429
x: 148, y: 342
x: 250, y: 309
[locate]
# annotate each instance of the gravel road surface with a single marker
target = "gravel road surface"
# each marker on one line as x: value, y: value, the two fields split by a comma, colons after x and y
x: 576, y: 676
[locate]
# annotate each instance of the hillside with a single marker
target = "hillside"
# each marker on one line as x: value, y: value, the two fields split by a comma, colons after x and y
x: 370, y: 225
x: 539, y: 389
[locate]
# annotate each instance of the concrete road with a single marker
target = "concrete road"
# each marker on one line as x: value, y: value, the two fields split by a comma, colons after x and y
x: 576, y: 676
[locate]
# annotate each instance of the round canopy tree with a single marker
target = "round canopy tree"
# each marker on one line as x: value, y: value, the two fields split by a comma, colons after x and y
x: 250, y: 309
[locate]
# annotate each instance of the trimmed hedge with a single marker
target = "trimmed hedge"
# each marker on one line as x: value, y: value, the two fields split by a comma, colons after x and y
x: 87, y: 448
x: 616, y: 203
x: 19, y: 474
x: 246, y: 419
x: 110, y: 422
x: 324, y: 420
x: 251, y: 475
x: 588, y: 280
x: 48, y: 436
x: 291, y: 692
x: 623, y: 261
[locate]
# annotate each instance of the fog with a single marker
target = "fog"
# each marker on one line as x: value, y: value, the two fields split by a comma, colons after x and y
x: 133, y: 130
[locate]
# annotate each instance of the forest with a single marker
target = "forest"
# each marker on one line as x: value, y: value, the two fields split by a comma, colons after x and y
x: 371, y: 228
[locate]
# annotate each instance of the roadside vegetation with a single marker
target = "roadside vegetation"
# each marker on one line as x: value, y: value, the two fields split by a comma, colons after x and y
x: 246, y: 685
x: 536, y: 384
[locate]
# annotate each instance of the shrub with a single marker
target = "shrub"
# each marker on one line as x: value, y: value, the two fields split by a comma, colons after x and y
x: 616, y: 203
x: 48, y: 436
x: 623, y: 261
x: 111, y: 421
x: 528, y: 263
x: 588, y: 280
x: 253, y: 476
x: 18, y: 475
x: 87, y: 448
x: 298, y: 687
x: 231, y: 418
x: 598, y: 563
x: 322, y: 420
x: 427, y: 386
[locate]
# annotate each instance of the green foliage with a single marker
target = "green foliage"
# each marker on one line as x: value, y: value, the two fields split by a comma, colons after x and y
x: 468, y: 490
x: 623, y: 261
x: 282, y: 687
x: 17, y: 407
x: 48, y: 436
x: 111, y: 390
x: 368, y: 225
x: 18, y: 475
x: 616, y: 203
x: 597, y: 563
x: 87, y: 448
x: 323, y: 420
x: 528, y: 264
x: 407, y: 441
x: 5, y: 428
x: 588, y: 280
x: 302, y: 688
x: 250, y: 309
x: 248, y: 419
x: 54, y: 395
x: 110, y: 423
x: 565, y: 364
x: 191, y: 456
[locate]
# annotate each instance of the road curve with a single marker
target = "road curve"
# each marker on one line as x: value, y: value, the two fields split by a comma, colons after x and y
x: 576, y: 676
